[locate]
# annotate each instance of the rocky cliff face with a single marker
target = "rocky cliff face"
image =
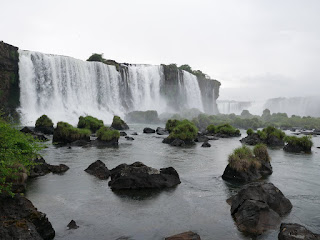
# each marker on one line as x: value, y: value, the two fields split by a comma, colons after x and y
x: 9, y: 80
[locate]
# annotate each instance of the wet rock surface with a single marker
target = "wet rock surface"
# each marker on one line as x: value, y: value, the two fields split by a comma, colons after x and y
x: 293, y: 231
x: 148, y: 130
x: 184, y: 236
x: 19, y: 219
x: 42, y: 168
x: 98, y: 169
x: 140, y: 176
x: 259, y: 207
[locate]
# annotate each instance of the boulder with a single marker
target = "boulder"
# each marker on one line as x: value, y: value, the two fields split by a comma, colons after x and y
x: 35, y: 135
x: 293, y: 148
x: 178, y: 143
x: 42, y: 168
x: 72, y: 225
x: 134, y: 133
x: 293, y: 231
x: 251, y: 174
x: 140, y: 176
x: 19, y: 219
x: 184, y: 236
x: 119, y: 124
x: 273, y: 141
x: 122, y: 134
x: 98, y: 169
x: 259, y: 207
x: 201, y: 138
x: 129, y: 138
x: 148, y: 130
x: 212, y: 138
x: 161, y: 131
x: 252, y: 139
x: 206, y: 144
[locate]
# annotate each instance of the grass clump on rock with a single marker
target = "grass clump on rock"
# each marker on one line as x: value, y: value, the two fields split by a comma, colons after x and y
x: 223, y: 130
x: 44, y: 124
x: 119, y: 124
x: 171, y: 124
x: 90, y: 122
x: 247, y: 165
x: 298, y: 144
x: 107, y: 134
x: 66, y: 133
x: 185, y: 131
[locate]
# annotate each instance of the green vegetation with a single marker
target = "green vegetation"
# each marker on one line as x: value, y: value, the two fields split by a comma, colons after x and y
x: 16, y: 153
x: 106, y: 134
x: 96, y: 57
x: 184, y: 130
x: 198, y: 73
x: 305, y: 142
x: 270, y: 131
x: 44, y: 121
x: 223, y: 129
x: 119, y: 124
x: 250, y: 131
x: 66, y: 133
x: 243, y: 158
x: 171, y: 124
x: 90, y: 122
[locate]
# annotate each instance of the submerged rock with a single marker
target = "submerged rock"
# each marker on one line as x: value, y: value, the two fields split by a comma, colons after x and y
x: 140, y: 176
x: 98, y: 169
x: 258, y: 207
x: 72, y: 225
x: 19, y: 219
x: 123, y: 134
x: 148, y: 130
x: 178, y: 143
x: 129, y: 138
x: 184, y: 236
x: 134, y: 133
x: 293, y: 231
x: 35, y: 135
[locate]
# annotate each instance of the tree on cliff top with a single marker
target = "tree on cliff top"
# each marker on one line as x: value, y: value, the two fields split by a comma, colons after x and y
x: 96, y: 57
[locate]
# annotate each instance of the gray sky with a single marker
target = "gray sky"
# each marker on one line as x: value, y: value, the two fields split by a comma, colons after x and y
x: 257, y: 48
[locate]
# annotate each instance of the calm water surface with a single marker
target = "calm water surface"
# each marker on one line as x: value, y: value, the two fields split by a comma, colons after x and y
x: 197, y: 204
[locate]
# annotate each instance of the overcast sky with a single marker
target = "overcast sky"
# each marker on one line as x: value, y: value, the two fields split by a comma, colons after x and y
x: 256, y: 48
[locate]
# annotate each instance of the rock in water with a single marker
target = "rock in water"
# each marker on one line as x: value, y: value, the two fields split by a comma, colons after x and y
x: 19, y: 219
x: 206, y: 144
x: 161, y: 131
x: 129, y: 138
x: 119, y: 124
x: 42, y: 168
x: 148, y: 130
x: 184, y: 236
x: 259, y: 207
x: 123, y: 134
x: 293, y: 231
x: 72, y: 225
x: 98, y: 169
x: 140, y: 176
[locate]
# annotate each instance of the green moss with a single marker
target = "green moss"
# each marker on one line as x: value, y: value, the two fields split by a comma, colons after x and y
x: 227, y: 129
x: 90, y: 122
x: 171, y: 124
x: 242, y: 159
x: 106, y: 134
x: 212, y: 129
x: 184, y: 130
x: 44, y: 121
x: 304, y: 142
x: 250, y: 131
x: 66, y: 133
x: 119, y: 124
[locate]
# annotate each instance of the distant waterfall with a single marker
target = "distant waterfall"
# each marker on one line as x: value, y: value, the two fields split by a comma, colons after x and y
x: 65, y: 88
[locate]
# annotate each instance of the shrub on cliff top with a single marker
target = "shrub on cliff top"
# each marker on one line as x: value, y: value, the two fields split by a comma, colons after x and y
x: 16, y: 152
x: 90, y: 122
x: 44, y: 121
x: 106, y: 134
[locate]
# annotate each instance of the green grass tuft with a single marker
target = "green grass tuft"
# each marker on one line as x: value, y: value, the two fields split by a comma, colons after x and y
x: 90, y: 122
x: 44, y: 121
x: 106, y: 134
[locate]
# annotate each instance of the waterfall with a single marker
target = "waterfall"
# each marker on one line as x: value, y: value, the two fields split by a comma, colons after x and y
x: 65, y: 88
x: 230, y: 106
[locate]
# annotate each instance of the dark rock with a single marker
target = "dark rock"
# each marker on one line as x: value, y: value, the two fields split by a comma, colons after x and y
x: 296, y: 148
x: 134, y: 133
x: 129, y: 138
x: 72, y: 225
x: 206, y: 144
x: 201, y: 138
x: 168, y: 140
x: 161, y: 131
x: 293, y: 231
x: 212, y: 138
x: 258, y: 207
x: 184, y: 236
x: 249, y: 175
x: 98, y: 169
x: 252, y: 139
x: 35, y: 135
x: 119, y: 124
x: 273, y: 141
x: 140, y: 176
x: 45, y: 130
x: 225, y: 135
x: 42, y: 168
x: 112, y: 143
x: 80, y: 143
x: 148, y: 130
x: 123, y: 134
x: 19, y: 219
x: 178, y: 143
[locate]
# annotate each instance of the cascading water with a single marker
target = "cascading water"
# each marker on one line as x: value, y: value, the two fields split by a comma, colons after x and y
x: 65, y: 88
